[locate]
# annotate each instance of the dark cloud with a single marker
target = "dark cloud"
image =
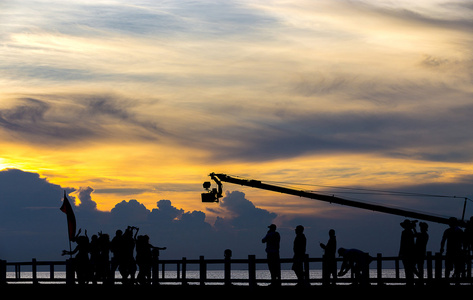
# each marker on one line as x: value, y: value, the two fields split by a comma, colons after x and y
x: 165, y: 213
x: 30, y: 215
x: 85, y: 198
x: 33, y: 226
x: 243, y: 213
x: 115, y: 108
x: 21, y: 190
x: 28, y: 121
x: 75, y: 119
x: 30, y: 219
x: 129, y: 212
x: 425, y: 134
x: 448, y: 199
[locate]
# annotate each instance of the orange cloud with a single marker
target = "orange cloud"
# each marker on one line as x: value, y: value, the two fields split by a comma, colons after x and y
x: 350, y: 94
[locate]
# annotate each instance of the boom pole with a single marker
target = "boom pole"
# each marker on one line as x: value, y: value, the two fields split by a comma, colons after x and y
x: 325, y: 198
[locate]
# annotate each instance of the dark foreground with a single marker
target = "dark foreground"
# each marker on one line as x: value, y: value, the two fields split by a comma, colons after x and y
x: 192, y: 292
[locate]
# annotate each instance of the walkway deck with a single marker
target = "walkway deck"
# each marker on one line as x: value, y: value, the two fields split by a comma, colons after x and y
x: 218, y: 292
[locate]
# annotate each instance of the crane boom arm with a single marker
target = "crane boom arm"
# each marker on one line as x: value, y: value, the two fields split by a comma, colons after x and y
x: 332, y: 199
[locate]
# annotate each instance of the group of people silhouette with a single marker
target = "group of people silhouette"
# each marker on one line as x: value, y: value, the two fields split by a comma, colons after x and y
x: 353, y: 259
x: 412, y: 252
x: 412, y: 249
x: 92, y: 261
x: 456, y: 243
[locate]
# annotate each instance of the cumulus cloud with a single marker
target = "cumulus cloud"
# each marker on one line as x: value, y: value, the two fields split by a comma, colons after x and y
x: 24, y: 189
x: 30, y: 216
x: 33, y: 226
x: 129, y: 212
x: 165, y: 212
x: 243, y: 214
x: 85, y: 198
x: 29, y: 210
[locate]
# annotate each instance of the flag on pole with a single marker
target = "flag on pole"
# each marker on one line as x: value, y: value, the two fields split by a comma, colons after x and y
x: 71, y: 219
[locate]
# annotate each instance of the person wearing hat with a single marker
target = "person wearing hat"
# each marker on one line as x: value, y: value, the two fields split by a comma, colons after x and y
x: 272, y: 240
x: 407, y: 250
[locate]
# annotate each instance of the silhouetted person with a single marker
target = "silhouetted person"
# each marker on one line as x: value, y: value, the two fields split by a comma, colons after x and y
x: 272, y: 240
x: 357, y: 261
x: 116, y: 246
x: 420, y: 248
x: 468, y: 234
x: 94, y: 251
x: 407, y: 250
x: 454, y: 255
x: 227, y: 253
x: 127, y: 265
x: 103, y: 262
x: 81, y: 260
x: 329, y: 266
x: 299, y: 248
x: 155, y: 263
x: 144, y: 258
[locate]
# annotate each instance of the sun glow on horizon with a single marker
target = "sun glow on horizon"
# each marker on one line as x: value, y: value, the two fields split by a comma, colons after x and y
x: 118, y: 179
x: 331, y: 93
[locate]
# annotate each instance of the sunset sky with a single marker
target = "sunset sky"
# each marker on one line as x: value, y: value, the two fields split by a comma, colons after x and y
x: 143, y: 99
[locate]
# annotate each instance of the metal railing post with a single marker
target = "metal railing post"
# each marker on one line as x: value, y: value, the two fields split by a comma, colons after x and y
x: 252, y: 270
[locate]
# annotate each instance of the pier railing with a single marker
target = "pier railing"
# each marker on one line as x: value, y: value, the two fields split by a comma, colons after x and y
x: 63, y: 271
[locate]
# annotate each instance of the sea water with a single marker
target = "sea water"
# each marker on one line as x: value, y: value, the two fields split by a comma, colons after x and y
x: 26, y: 276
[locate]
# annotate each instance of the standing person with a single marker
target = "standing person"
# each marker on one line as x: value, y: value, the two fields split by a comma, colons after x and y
x: 94, y: 251
x: 81, y: 260
x: 128, y: 263
x: 116, y: 246
x: 468, y: 234
x: 299, y: 248
x: 422, y: 238
x: 103, y: 267
x: 407, y: 250
x: 329, y: 266
x: 272, y: 240
x: 144, y: 258
x: 453, y: 236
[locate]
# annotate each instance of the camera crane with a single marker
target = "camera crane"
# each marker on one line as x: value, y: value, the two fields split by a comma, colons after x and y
x: 216, y: 193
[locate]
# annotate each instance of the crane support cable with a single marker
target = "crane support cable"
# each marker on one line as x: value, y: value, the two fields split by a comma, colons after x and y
x: 369, y: 191
x: 331, y: 199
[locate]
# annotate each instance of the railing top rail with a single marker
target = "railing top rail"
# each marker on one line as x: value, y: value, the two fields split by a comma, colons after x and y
x: 433, y: 263
x: 198, y: 260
